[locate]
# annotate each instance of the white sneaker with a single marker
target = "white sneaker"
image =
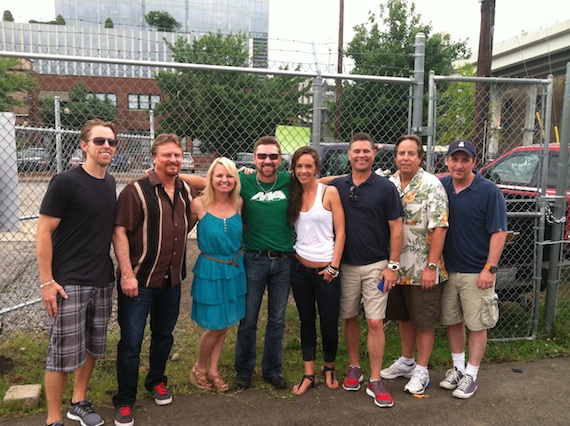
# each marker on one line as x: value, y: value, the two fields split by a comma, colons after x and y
x: 398, y: 369
x: 418, y: 383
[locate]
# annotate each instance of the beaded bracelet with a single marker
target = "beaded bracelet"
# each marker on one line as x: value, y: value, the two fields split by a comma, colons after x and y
x: 50, y: 282
x: 332, y: 272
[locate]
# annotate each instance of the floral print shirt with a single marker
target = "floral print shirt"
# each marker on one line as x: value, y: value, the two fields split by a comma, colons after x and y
x: 425, y: 207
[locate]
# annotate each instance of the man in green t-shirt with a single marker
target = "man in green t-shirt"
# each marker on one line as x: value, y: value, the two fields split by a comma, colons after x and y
x: 268, y: 250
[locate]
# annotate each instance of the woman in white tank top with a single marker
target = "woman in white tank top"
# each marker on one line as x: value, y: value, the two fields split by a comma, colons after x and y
x: 316, y: 212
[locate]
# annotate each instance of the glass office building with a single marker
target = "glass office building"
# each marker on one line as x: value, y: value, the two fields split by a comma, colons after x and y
x: 195, y: 16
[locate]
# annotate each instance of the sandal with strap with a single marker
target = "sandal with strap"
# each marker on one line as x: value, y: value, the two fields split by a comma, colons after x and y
x: 199, y: 379
x: 218, y: 384
x: 312, y: 384
x: 330, y: 370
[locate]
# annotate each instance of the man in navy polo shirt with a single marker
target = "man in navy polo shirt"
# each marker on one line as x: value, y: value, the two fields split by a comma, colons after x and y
x: 374, y: 238
x: 473, y: 247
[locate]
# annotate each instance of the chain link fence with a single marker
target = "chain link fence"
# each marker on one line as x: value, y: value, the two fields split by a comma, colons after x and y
x: 222, y: 111
x: 510, y: 120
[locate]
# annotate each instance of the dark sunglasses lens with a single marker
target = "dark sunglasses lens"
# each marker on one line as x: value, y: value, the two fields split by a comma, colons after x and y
x: 272, y: 157
x: 101, y: 141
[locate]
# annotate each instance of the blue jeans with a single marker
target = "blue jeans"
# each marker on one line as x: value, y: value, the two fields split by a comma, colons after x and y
x: 274, y: 274
x: 163, y: 305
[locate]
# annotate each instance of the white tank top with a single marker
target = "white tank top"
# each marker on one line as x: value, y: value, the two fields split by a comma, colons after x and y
x: 315, y: 231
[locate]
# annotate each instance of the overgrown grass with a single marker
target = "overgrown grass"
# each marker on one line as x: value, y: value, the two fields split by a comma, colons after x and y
x: 27, y: 350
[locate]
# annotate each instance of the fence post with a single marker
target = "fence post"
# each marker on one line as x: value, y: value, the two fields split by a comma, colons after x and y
x: 317, y: 111
x: 419, y: 72
x: 57, y: 111
x: 559, y: 212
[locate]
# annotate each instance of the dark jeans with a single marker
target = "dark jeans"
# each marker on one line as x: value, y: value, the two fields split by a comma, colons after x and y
x: 163, y: 305
x: 272, y: 273
x: 309, y: 289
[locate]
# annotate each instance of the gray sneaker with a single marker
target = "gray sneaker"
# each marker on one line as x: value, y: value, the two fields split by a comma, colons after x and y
x: 452, y: 378
x: 353, y: 379
x: 84, y: 413
x: 466, y: 387
x: 418, y: 383
x: 398, y: 369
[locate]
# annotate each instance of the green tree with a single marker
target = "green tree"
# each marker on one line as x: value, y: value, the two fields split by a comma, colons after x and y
x: 162, y: 21
x: 82, y: 106
x: 226, y: 111
x: 13, y: 79
x: 384, y: 46
x: 455, y: 109
x: 7, y: 17
x: 59, y: 20
x: 109, y: 23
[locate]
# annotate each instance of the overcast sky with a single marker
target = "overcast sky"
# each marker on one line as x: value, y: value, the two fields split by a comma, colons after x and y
x: 295, y: 24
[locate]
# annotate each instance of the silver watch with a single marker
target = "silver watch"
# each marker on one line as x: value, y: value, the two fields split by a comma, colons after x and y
x: 394, y: 266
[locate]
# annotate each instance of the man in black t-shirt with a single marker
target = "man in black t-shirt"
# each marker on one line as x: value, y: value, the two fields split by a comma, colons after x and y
x: 73, y: 239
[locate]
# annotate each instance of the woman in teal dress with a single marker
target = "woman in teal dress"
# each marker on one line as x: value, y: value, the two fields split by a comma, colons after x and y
x: 219, y: 286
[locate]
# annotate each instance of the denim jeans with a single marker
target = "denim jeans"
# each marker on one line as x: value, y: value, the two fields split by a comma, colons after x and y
x: 163, y: 305
x: 274, y: 274
x: 309, y: 289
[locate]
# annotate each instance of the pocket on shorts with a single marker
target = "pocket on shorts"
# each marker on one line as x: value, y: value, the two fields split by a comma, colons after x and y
x: 490, y: 310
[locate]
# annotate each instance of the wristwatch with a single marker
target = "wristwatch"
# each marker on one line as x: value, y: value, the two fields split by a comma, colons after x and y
x: 432, y: 266
x: 491, y: 268
x: 394, y: 266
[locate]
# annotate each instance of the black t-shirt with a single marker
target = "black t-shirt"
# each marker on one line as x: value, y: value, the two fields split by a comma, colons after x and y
x: 81, y: 243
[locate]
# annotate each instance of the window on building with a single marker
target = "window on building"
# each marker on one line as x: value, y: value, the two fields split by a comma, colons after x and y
x: 110, y: 97
x: 143, y: 101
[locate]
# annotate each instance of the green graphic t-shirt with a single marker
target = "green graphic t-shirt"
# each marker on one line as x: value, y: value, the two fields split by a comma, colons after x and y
x: 265, y: 213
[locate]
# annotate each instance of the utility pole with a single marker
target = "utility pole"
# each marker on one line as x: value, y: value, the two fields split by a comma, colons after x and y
x: 484, y: 61
x: 337, y: 115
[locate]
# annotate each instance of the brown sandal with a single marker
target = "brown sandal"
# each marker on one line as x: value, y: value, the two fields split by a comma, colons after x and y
x: 199, y: 379
x: 218, y: 384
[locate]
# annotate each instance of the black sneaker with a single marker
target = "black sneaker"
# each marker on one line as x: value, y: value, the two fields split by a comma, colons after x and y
x: 84, y: 413
x: 161, y: 394
x: 243, y: 382
x: 278, y: 382
x: 124, y: 416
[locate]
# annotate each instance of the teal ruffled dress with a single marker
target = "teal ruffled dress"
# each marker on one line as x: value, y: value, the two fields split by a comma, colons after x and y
x: 218, y: 290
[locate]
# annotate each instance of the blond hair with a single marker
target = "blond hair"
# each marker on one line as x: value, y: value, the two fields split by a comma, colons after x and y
x: 208, y: 193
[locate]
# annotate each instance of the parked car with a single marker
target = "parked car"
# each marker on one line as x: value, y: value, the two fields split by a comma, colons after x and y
x: 76, y: 160
x: 334, y: 159
x: 244, y: 159
x: 517, y: 174
x: 187, y: 163
x: 33, y: 160
x: 121, y: 163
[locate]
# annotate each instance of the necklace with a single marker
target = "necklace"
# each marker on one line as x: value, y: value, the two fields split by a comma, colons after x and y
x: 261, y: 187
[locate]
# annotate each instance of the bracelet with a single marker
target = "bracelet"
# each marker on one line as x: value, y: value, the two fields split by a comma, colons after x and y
x: 50, y: 282
x: 126, y: 277
x: 329, y: 270
x: 335, y: 268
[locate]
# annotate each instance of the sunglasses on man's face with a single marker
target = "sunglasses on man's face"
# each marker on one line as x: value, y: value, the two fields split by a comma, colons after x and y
x: 263, y: 156
x: 101, y: 141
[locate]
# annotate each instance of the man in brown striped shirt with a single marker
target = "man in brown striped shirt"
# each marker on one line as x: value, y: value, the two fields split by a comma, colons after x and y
x: 151, y: 227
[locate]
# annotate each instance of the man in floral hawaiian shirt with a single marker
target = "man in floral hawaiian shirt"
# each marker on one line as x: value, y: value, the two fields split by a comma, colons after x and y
x: 415, y: 301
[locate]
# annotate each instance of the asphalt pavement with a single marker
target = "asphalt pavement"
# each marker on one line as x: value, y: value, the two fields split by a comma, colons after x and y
x: 534, y: 393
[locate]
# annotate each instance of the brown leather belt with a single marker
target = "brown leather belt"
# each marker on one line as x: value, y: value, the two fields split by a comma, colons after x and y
x: 226, y: 262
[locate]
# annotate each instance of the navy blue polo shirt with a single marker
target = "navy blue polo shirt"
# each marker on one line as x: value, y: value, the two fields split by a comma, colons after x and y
x: 367, y: 231
x: 474, y: 215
